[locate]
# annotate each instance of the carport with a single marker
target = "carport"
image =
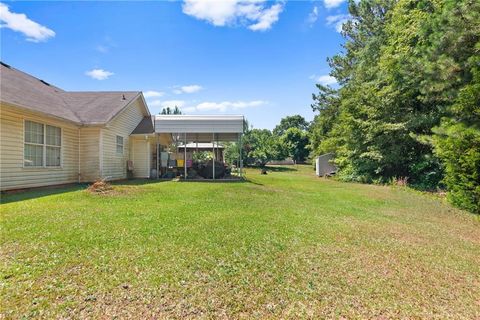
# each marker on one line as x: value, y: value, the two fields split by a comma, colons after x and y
x: 197, y: 130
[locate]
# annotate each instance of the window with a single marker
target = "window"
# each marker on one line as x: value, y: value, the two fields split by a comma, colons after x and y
x: 42, y: 145
x: 119, y: 145
x: 53, y: 145
x: 33, y: 148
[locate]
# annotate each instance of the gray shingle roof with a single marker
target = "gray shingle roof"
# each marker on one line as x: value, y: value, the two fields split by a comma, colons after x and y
x: 97, y: 107
x: 23, y: 90
x: 145, y: 126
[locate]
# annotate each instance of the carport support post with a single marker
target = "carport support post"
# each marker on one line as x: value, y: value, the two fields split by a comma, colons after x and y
x: 213, y: 161
x: 185, y: 155
x: 157, y: 156
x: 241, y: 160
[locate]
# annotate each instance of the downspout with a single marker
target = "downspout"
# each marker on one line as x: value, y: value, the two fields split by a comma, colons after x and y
x: 100, y: 156
x: 79, y: 154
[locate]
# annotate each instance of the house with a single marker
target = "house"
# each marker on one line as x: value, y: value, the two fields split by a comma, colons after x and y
x: 49, y: 136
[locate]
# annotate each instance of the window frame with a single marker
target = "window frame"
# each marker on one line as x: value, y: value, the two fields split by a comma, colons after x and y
x: 44, y: 146
x: 117, y: 145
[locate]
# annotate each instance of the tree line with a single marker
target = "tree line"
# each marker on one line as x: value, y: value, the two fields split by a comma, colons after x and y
x: 407, y: 104
x: 289, y: 139
x: 408, y: 101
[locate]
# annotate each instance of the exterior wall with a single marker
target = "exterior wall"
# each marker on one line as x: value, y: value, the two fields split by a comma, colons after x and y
x: 113, y: 165
x: 141, y: 157
x: 89, y: 154
x: 13, y: 174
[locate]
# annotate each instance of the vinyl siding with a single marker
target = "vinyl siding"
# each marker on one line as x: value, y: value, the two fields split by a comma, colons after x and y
x: 114, y: 165
x: 140, y: 154
x: 13, y: 175
x: 89, y: 154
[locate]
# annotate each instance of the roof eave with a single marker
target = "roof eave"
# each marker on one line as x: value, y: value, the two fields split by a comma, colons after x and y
x: 37, y: 112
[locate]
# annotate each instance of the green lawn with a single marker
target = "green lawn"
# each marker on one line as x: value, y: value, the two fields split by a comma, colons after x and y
x: 284, y: 245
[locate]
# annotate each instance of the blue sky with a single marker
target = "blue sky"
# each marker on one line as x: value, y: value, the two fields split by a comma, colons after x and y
x: 257, y: 58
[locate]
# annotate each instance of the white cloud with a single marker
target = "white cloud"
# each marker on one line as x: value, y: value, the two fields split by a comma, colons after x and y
x: 337, y: 21
x: 228, y: 105
x: 21, y: 23
x: 168, y: 103
x: 106, y: 45
x: 188, y: 109
x: 154, y: 103
x: 325, y: 79
x: 313, y: 16
x: 256, y: 14
x: 153, y: 94
x: 267, y: 18
x: 188, y: 89
x: 99, y: 74
x: 102, y: 48
x: 332, y: 3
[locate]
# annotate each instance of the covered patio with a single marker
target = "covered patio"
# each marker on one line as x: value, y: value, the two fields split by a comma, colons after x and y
x: 189, y: 147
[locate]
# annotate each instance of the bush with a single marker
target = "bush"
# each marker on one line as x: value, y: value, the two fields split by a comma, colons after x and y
x: 459, y: 147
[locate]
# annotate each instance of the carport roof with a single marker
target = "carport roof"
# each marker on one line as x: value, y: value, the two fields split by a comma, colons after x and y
x: 201, y: 127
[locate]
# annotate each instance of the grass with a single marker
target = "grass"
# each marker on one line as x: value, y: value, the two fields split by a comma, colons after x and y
x: 284, y: 245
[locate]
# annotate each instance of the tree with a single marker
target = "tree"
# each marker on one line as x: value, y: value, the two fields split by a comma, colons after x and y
x: 408, y: 101
x: 296, y: 121
x: 327, y: 103
x: 167, y: 110
x: 295, y: 142
x: 231, y: 153
x: 457, y: 143
x: 261, y: 146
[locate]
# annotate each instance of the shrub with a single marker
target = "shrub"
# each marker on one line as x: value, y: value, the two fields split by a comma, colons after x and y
x: 459, y: 147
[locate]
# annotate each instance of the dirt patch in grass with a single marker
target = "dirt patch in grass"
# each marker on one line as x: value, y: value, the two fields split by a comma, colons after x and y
x: 100, y: 186
x: 105, y: 189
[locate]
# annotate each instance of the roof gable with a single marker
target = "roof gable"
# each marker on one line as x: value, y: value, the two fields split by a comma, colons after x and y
x: 98, y: 107
x: 25, y: 91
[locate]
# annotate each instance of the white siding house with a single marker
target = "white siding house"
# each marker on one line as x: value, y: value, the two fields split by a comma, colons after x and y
x: 49, y: 136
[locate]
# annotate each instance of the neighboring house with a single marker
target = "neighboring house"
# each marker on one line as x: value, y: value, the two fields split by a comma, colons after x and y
x: 50, y: 136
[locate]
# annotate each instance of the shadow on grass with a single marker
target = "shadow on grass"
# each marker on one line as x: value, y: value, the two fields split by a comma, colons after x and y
x: 34, y: 193
x: 27, y: 194
x: 138, y: 182
x: 280, y: 169
x: 254, y: 182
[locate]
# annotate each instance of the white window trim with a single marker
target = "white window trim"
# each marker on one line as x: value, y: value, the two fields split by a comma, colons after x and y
x: 44, y: 145
x: 117, y: 144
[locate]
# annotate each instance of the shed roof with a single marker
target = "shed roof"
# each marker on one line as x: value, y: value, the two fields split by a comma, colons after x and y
x: 23, y: 90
